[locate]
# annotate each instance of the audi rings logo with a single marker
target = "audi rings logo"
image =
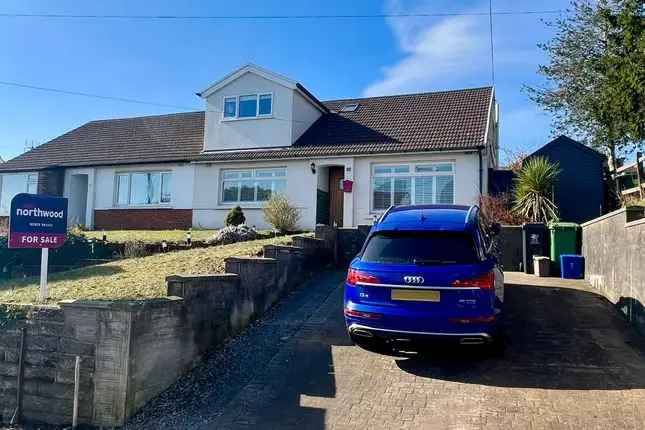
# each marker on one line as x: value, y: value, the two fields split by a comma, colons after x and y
x: 413, y: 279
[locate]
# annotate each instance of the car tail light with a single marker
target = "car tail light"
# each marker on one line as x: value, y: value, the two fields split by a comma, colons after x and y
x: 359, y: 314
x: 485, y: 282
x: 355, y: 276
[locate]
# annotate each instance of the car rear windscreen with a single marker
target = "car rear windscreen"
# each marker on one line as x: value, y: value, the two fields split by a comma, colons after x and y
x: 421, y: 247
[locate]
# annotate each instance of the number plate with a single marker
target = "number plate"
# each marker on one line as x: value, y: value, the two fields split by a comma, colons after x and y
x: 416, y: 295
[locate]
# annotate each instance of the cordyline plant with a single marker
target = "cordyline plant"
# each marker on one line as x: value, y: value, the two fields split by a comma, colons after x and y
x: 533, y: 188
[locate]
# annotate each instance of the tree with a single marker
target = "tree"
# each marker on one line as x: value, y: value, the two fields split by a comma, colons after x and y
x: 596, y: 74
x: 533, y: 186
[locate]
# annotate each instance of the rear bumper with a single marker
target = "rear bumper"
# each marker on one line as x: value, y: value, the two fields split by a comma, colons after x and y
x: 465, y: 338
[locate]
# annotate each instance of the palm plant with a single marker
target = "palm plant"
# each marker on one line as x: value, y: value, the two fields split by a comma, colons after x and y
x: 533, y: 189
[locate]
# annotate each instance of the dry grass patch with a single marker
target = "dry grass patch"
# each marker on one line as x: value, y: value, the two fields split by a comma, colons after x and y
x: 134, y: 278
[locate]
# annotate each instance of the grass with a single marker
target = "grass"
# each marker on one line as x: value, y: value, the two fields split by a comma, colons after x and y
x: 150, y: 236
x: 133, y: 278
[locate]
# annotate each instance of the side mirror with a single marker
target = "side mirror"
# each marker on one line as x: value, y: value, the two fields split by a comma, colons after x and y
x: 495, y: 228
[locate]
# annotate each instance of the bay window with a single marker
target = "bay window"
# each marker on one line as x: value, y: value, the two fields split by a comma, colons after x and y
x: 252, y: 185
x: 409, y: 184
x: 248, y: 106
x: 142, y: 188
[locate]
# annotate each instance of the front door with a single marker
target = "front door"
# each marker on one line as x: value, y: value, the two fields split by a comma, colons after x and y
x: 336, y: 175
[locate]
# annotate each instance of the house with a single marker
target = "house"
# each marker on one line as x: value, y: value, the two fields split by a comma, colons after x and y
x: 579, y: 192
x: 341, y: 162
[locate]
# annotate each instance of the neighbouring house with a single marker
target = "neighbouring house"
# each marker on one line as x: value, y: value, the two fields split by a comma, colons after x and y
x: 579, y: 192
x: 341, y: 162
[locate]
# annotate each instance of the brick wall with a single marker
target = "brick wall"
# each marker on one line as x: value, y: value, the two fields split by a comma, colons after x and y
x: 143, y: 219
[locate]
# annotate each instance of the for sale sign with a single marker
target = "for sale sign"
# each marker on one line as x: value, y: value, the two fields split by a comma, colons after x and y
x: 37, y: 221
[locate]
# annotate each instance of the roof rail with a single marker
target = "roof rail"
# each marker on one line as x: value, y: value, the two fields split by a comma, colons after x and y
x: 470, y: 210
x: 382, y: 217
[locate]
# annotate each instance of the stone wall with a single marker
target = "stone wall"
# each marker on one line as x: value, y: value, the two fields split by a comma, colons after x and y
x: 134, y: 350
x: 614, y: 250
x: 49, y: 356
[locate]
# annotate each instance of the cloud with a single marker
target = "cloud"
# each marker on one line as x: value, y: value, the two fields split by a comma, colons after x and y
x: 447, y: 50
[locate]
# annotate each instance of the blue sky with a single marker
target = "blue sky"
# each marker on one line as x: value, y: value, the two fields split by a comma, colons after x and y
x: 168, y: 61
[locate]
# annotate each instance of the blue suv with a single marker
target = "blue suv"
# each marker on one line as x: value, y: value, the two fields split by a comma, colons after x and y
x: 425, y: 273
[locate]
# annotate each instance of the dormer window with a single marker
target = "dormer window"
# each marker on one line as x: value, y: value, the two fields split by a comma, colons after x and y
x: 248, y: 106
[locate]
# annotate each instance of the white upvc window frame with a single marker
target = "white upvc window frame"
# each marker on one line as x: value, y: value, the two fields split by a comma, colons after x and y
x: 253, y: 177
x: 412, y: 174
x: 257, y: 96
x: 130, y: 174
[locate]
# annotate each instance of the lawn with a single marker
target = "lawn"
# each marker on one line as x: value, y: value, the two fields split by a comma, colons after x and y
x: 150, y: 236
x: 133, y: 278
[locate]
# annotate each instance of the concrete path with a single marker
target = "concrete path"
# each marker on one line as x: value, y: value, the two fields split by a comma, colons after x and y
x: 571, y: 362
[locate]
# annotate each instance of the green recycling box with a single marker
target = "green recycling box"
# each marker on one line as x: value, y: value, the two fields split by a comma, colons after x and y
x: 564, y: 240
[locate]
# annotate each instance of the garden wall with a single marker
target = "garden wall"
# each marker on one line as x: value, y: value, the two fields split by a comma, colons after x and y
x: 50, y: 349
x: 614, y: 250
x: 134, y: 350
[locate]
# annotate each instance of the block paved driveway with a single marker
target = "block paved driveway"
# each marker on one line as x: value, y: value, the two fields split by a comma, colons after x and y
x: 571, y: 362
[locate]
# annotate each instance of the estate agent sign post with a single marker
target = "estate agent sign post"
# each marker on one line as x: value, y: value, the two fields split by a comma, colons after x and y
x: 38, y: 222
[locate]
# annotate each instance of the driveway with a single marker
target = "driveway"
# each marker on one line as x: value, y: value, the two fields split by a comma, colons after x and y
x: 571, y: 362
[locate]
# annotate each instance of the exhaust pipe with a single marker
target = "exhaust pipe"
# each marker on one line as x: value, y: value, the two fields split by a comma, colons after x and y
x: 471, y: 341
x: 362, y: 333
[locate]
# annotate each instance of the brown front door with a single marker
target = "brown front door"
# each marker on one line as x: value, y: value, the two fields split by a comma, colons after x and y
x: 336, y: 175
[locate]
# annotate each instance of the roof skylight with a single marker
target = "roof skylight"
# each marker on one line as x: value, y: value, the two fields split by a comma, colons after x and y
x: 349, y: 107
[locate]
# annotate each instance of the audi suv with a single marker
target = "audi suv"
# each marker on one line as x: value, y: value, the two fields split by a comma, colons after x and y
x: 425, y: 273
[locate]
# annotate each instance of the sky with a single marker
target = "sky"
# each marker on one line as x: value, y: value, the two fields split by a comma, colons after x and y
x: 167, y: 62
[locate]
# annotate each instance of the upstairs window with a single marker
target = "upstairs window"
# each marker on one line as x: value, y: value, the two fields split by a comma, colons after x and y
x: 142, y: 188
x: 230, y: 107
x: 252, y: 185
x: 248, y: 106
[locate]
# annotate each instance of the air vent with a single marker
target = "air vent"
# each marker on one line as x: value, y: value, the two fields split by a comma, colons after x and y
x: 349, y: 108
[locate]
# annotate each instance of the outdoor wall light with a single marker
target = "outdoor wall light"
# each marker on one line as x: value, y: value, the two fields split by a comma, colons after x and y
x: 313, y: 168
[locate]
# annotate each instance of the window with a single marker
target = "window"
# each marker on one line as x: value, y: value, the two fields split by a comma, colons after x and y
x: 248, y: 106
x: 265, y: 104
x: 253, y: 185
x: 15, y: 183
x: 230, y: 107
x: 421, y: 247
x: 349, y: 108
x: 32, y: 183
x: 404, y: 184
x: 142, y: 188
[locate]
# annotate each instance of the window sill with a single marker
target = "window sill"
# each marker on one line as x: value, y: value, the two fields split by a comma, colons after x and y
x: 247, y: 118
x: 247, y: 205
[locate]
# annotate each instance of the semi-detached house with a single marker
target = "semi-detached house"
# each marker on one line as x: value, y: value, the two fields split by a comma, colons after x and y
x: 340, y: 162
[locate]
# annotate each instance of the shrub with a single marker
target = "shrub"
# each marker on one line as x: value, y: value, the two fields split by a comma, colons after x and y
x: 281, y: 214
x: 235, y: 216
x: 499, y: 209
x: 234, y: 234
x: 533, y: 187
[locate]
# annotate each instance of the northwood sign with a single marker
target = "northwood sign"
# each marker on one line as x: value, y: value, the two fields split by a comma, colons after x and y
x: 38, y: 222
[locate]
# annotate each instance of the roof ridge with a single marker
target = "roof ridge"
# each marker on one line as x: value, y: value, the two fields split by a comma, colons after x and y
x: 410, y: 94
x: 145, y: 116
